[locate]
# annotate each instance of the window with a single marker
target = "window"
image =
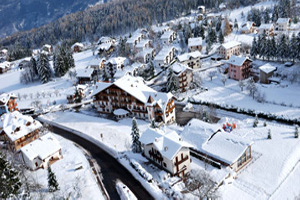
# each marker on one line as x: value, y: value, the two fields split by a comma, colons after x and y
x: 165, y: 165
x: 248, y: 153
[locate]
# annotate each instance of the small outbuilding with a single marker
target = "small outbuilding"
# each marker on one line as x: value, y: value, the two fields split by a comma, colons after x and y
x: 265, y: 72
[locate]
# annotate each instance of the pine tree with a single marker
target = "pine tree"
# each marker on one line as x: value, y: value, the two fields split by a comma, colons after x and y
x: 221, y: 37
x: 171, y: 81
x: 263, y: 49
x: 268, y: 50
x: 135, y: 134
x: 269, y: 134
x: 293, y: 48
x: 52, y: 182
x: 273, y: 48
x: 236, y: 25
x: 104, y: 76
x: 33, y: 65
x: 10, y: 183
x: 202, y: 32
x: 219, y: 24
x: 298, y: 45
x: 266, y: 16
x: 296, y: 131
x: 62, y: 60
x: 254, y: 51
x: 282, y: 47
x: 275, y: 14
x: 43, y: 67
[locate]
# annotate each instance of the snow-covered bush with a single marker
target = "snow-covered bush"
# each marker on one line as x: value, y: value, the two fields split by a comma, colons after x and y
x: 146, y: 175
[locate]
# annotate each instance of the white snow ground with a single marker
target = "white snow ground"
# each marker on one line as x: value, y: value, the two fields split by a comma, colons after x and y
x: 77, y: 184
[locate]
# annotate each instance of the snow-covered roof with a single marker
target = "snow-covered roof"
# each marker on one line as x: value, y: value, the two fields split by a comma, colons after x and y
x: 135, y: 36
x: 136, y: 87
x: 5, y: 64
x: 178, y: 68
x: 168, y: 144
x: 230, y: 44
x: 120, y: 112
x: 237, y: 60
x: 105, y: 46
x: 163, y: 53
x: 167, y: 34
x: 223, y: 146
x: 145, y: 52
x: 4, y: 98
x: 116, y: 60
x: 137, y: 65
x: 188, y: 56
x: 85, y: 73
x: 157, y: 29
x: 267, y: 68
x: 246, y: 26
x: 105, y: 39
x: 266, y: 26
x: 77, y: 44
x: 195, y: 41
x: 283, y: 20
x: 16, y: 125
x: 4, y: 51
x: 42, y: 147
x: 142, y: 43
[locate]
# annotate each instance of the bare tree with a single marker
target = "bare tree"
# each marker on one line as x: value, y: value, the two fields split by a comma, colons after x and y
x: 211, y: 74
x: 56, y: 92
x: 242, y: 85
x: 252, y: 87
x: 37, y: 104
x: 200, y: 184
x: 224, y: 79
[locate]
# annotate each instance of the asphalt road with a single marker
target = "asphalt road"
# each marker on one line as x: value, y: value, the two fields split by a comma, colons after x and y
x: 111, y: 169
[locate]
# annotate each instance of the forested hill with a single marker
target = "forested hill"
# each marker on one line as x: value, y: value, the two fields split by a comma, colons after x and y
x: 118, y: 16
x: 20, y: 15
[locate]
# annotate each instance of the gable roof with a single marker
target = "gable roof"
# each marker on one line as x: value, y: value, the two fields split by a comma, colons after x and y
x: 178, y: 68
x: 84, y: 73
x: 167, y: 34
x: 168, y: 144
x: 194, y: 41
x: 4, y: 98
x: 42, y: 147
x: 230, y: 44
x: 164, y: 53
x: 14, y: 125
x: 116, y: 60
x: 226, y: 147
x: 187, y: 56
x: 266, y: 26
x: 237, y: 60
x: 267, y: 68
x: 142, y: 43
x: 136, y: 87
x: 77, y: 44
x: 283, y: 20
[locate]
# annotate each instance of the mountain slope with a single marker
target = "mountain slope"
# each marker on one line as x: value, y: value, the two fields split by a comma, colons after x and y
x: 20, y: 15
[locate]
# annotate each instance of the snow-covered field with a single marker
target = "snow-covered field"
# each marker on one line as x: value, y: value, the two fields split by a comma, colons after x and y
x: 75, y: 184
x: 274, y: 165
x: 281, y: 99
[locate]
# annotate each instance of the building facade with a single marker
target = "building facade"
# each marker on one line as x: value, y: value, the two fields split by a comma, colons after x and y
x: 184, y: 76
x: 192, y: 59
x: 131, y: 94
x: 239, y: 67
x: 168, y: 151
x: 230, y: 48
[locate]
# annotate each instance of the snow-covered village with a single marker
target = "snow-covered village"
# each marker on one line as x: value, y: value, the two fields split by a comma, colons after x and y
x: 152, y: 99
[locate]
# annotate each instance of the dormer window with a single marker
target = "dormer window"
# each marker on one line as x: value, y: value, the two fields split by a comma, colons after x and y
x: 17, y: 129
x: 28, y: 123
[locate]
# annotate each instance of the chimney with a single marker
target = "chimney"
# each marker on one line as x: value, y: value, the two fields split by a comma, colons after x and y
x: 166, y: 148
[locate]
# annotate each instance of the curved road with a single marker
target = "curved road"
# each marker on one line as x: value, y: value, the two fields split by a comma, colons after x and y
x: 111, y: 169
